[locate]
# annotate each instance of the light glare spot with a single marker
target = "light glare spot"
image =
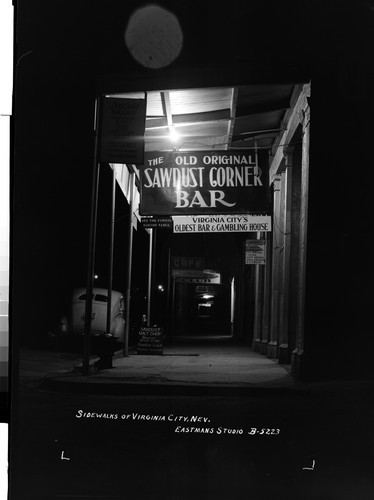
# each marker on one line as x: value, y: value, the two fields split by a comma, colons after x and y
x: 154, y: 37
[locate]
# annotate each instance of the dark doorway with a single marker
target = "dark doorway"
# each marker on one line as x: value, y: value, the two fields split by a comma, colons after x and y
x: 204, y: 300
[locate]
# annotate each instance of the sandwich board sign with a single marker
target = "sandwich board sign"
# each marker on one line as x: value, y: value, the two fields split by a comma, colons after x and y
x: 150, y: 340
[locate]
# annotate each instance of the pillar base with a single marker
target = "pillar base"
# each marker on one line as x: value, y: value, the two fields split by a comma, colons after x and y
x: 273, y: 349
x: 264, y: 347
x: 304, y: 368
x: 284, y: 355
x: 105, y: 362
x: 256, y: 345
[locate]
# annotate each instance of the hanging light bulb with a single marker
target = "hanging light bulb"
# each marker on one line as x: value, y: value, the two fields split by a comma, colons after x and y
x: 173, y: 134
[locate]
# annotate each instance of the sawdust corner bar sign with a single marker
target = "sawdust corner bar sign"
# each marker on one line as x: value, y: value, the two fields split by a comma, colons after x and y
x: 204, y: 182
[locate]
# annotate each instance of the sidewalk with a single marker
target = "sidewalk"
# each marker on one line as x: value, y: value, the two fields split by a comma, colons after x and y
x: 182, y: 367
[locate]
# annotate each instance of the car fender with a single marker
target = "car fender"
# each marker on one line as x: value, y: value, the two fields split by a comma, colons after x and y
x: 118, y: 328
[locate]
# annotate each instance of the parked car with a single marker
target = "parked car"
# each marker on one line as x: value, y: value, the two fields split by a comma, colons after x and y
x: 73, y: 322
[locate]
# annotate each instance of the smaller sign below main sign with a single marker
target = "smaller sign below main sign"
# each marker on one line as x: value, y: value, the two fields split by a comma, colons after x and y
x: 150, y: 340
x: 244, y: 223
x: 255, y: 253
x: 157, y: 222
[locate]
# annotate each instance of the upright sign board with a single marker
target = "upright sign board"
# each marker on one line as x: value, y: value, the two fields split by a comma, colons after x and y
x: 150, y: 340
x: 122, y: 130
x: 201, y: 182
x: 255, y: 252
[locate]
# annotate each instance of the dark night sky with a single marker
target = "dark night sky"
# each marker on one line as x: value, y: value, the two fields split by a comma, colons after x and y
x: 63, y: 47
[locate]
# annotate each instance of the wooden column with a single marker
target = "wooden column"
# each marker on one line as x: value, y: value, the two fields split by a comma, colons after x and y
x: 150, y: 273
x: 266, y: 298
x: 129, y: 264
x: 284, y: 354
x: 298, y: 353
x: 91, y: 245
x: 274, y: 303
x: 259, y: 302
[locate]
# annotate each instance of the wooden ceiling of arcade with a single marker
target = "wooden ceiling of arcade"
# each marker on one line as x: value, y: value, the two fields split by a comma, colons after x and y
x: 218, y: 118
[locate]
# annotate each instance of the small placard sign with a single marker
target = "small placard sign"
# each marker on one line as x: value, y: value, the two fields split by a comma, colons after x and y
x: 157, y: 222
x: 122, y: 130
x: 255, y: 252
x: 150, y: 340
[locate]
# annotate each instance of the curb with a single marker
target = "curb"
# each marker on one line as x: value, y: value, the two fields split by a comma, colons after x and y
x: 157, y: 388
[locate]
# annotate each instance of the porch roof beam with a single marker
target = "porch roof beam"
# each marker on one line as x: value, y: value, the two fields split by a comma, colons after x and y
x: 293, y: 118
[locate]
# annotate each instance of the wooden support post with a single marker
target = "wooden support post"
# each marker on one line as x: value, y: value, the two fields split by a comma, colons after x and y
x: 284, y: 354
x: 150, y: 261
x: 169, y: 294
x: 274, y: 305
x: 111, y: 249
x: 129, y: 265
x: 91, y: 246
x: 259, y: 289
x: 266, y: 298
x: 298, y: 353
x: 172, y: 309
